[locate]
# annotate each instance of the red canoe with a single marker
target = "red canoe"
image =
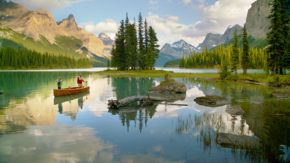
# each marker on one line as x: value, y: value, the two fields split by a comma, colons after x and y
x: 69, y: 91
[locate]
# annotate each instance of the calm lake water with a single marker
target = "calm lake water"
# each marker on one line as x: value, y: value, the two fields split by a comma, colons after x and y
x: 37, y: 127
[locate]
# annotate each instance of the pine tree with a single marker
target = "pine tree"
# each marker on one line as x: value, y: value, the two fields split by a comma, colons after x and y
x: 285, y: 14
x: 119, y: 51
x: 245, y: 54
x: 274, y: 37
x: 153, y: 51
x: 113, y: 58
x: 235, y: 55
x: 148, y: 58
x: 141, y: 44
x: 108, y: 64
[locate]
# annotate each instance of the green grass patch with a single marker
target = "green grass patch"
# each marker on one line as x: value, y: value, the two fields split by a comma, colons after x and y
x: 265, y: 78
x: 155, y: 74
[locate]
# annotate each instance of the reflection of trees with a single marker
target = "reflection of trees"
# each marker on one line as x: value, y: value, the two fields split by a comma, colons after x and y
x: 132, y: 113
x: 124, y: 87
x: 275, y: 132
x: 232, y: 90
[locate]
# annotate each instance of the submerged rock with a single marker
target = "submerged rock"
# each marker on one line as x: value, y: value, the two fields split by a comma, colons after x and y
x: 275, y: 85
x: 212, y: 100
x: 237, y: 141
x: 1, y: 93
x: 235, y: 110
x: 170, y: 96
x: 171, y: 87
x: 281, y: 94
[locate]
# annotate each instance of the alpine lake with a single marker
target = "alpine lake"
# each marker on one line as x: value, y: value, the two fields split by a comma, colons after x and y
x: 37, y: 127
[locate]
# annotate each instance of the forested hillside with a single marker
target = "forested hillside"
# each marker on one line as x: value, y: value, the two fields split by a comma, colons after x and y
x: 27, y: 59
x: 64, y: 45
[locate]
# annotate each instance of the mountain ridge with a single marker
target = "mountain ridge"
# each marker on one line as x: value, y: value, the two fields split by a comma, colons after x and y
x: 41, y: 22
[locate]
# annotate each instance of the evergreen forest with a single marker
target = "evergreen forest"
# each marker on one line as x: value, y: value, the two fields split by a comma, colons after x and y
x: 132, y: 52
x: 27, y: 59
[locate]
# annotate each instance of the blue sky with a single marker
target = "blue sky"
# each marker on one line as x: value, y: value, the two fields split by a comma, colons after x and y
x: 173, y: 20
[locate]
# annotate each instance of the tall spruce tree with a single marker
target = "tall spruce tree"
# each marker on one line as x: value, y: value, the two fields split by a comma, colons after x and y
x: 130, y: 50
x: 245, y: 54
x: 141, y: 43
x: 128, y: 43
x: 235, y: 55
x: 153, y: 51
x: 119, y: 52
x: 275, y: 37
x: 146, y: 42
x: 285, y: 14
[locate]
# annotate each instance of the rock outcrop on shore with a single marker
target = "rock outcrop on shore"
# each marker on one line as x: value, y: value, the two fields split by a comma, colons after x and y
x: 237, y: 141
x: 212, y: 100
x: 170, y: 87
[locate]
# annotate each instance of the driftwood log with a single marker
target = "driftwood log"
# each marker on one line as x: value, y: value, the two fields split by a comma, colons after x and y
x: 146, y: 100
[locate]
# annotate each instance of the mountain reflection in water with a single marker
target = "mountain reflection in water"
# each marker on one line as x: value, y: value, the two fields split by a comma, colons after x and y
x: 35, y: 126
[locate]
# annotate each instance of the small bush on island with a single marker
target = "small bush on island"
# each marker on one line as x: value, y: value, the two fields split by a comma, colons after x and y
x: 167, y: 80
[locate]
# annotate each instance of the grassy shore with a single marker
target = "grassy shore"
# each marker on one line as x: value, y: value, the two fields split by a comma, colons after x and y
x: 260, y: 78
x: 155, y: 74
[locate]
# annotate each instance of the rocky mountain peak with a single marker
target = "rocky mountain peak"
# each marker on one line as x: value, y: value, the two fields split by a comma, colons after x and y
x: 106, y: 39
x: 183, y: 45
x: 103, y: 36
x: 68, y: 22
x: 212, y: 40
x: 71, y: 16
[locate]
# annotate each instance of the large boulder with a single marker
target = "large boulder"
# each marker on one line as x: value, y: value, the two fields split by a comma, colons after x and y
x: 235, y: 110
x: 212, y: 100
x: 170, y: 87
x: 237, y: 141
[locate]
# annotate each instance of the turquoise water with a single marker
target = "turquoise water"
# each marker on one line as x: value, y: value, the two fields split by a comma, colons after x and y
x: 35, y: 126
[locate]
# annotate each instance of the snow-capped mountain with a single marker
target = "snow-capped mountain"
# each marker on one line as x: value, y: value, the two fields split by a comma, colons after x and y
x: 182, y: 45
x: 178, y: 48
x: 174, y: 51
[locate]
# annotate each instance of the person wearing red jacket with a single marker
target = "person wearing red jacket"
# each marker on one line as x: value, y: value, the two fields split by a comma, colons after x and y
x: 80, y: 81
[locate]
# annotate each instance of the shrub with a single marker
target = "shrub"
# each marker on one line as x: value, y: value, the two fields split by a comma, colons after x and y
x: 224, y: 72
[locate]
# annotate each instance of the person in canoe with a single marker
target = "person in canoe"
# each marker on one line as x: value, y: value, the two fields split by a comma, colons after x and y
x: 80, y: 81
x: 58, y: 83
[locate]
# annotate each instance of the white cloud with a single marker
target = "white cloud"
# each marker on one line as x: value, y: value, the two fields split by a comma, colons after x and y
x: 152, y: 2
x: 216, y: 19
x: 110, y: 27
x: 186, y: 1
x: 169, y: 30
x: 45, y: 4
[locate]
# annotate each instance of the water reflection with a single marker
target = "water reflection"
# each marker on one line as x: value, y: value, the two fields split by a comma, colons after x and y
x: 158, y: 133
x: 55, y: 143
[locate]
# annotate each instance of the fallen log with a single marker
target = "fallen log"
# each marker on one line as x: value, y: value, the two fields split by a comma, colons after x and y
x: 146, y: 100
